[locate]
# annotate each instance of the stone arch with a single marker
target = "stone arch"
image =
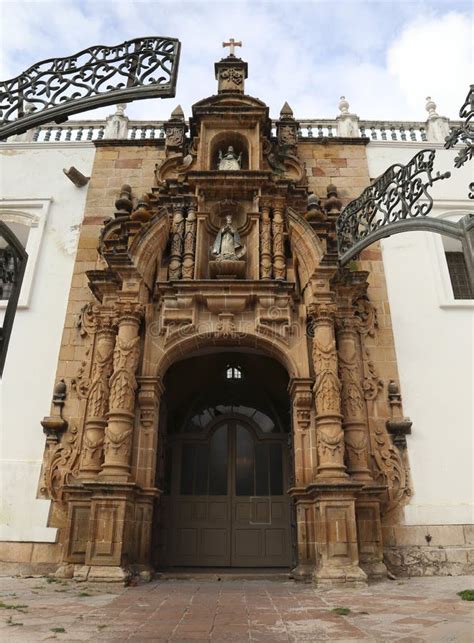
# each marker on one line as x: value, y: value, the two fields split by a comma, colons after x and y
x: 215, y: 342
x: 148, y: 246
x: 306, y: 247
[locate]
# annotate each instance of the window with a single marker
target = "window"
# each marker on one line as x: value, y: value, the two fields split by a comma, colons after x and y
x: 233, y: 373
x: 13, y: 259
x: 27, y: 220
x: 462, y: 287
x: 21, y: 230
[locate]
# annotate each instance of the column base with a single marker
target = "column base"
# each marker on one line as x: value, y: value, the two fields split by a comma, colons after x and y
x: 302, y: 573
x: 351, y: 575
x: 105, y: 574
x: 375, y: 570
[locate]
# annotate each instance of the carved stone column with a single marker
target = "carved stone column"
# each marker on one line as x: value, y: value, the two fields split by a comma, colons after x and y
x: 265, y: 242
x: 177, y: 234
x: 334, y: 493
x: 356, y: 435
x: 327, y: 390
x: 98, y: 398
x: 279, y: 263
x: 123, y: 385
x: 189, y: 242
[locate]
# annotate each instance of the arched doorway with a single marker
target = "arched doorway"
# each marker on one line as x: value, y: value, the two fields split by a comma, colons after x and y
x: 226, y: 465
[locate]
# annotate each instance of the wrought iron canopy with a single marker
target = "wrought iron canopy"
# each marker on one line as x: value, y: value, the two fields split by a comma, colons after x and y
x: 398, y: 201
x: 13, y: 258
x: 464, y: 133
x: 53, y: 89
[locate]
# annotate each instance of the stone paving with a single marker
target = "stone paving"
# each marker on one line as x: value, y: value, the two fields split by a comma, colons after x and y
x: 409, y: 610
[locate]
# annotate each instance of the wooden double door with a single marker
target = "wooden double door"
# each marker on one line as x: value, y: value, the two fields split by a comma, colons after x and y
x: 228, y: 506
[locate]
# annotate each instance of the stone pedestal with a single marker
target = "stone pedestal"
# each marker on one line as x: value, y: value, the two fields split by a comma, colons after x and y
x: 111, y: 525
x: 336, y: 535
x: 227, y: 269
x: 369, y: 531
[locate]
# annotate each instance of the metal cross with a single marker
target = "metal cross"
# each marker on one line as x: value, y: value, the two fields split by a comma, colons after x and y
x: 232, y: 44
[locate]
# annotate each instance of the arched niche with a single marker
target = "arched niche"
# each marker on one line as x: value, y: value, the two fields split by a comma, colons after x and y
x: 222, y: 141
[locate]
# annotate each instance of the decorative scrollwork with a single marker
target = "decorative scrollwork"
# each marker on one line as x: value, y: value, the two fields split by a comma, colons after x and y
x: 62, y: 463
x: 55, y: 88
x: 383, y: 208
x: 464, y: 134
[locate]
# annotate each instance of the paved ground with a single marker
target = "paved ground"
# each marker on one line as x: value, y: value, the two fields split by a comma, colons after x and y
x: 410, y: 610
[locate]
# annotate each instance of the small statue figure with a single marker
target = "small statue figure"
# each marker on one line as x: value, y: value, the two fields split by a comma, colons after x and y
x: 227, y: 246
x: 229, y: 160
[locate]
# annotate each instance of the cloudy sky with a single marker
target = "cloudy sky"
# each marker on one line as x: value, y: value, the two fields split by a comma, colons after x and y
x: 385, y: 57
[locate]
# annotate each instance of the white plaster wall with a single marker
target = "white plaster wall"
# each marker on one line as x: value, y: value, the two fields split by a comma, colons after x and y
x: 35, y: 171
x: 434, y: 345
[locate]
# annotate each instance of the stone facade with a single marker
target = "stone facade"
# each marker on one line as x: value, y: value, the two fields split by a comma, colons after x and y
x: 146, y: 292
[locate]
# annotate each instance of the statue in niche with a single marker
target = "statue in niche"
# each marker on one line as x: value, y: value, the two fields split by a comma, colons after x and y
x: 229, y: 160
x: 227, y: 246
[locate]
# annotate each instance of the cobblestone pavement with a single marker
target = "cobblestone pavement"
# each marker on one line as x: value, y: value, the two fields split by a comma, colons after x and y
x: 409, y: 610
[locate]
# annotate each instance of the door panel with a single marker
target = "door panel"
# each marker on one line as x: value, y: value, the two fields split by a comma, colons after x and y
x: 227, y: 506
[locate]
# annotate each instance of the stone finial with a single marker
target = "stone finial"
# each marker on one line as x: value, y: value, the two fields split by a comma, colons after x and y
x: 431, y: 108
x: 344, y: 105
x: 120, y: 109
x: 142, y: 212
x: 117, y: 124
x: 60, y: 392
x: 286, y: 111
x: 314, y: 211
x: 347, y: 123
x: 177, y: 114
x: 333, y: 203
x: 124, y: 203
x: 437, y: 127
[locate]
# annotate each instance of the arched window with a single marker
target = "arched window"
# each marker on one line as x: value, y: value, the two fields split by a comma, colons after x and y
x: 22, y: 224
x: 13, y: 259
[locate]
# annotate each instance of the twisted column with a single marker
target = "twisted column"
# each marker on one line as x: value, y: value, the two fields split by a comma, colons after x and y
x: 353, y: 404
x: 98, y: 398
x: 279, y: 263
x: 177, y: 235
x: 189, y: 242
x: 123, y: 385
x: 327, y: 390
x: 265, y: 242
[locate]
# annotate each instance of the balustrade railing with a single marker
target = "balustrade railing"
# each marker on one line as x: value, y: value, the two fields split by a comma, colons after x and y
x: 84, y: 131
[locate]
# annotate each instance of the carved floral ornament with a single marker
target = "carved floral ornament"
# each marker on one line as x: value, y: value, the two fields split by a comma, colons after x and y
x: 232, y: 75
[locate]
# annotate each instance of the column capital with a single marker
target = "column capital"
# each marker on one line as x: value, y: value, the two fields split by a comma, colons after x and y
x: 324, y: 311
x: 128, y: 312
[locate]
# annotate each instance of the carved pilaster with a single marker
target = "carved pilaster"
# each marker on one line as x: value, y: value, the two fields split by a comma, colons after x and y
x: 356, y: 435
x: 177, y: 238
x: 279, y: 264
x: 149, y: 394
x: 304, y: 436
x: 265, y: 243
x: 123, y: 385
x: 98, y: 398
x: 330, y: 436
x: 189, y: 243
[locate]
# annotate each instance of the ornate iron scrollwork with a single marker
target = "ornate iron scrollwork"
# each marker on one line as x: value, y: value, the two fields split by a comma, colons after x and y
x: 13, y: 260
x: 397, y: 201
x: 55, y: 88
x: 464, y: 134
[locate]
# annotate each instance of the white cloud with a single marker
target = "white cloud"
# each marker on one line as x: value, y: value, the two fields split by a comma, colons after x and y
x: 433, y: 56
